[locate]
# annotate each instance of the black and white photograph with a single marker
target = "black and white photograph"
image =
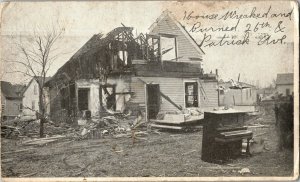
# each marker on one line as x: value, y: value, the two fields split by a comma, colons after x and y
x: 149, y: 90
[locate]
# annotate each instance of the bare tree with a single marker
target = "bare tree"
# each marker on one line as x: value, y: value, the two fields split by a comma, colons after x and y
x: 36, y: 54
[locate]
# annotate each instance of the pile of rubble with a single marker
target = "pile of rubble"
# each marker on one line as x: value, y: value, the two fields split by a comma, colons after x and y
x: 108, y: 126
x: 93, y: 128
x: 19, y: 128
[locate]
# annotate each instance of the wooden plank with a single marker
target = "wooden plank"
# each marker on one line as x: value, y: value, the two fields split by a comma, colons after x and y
x: 167, y: 127
x: 168, y: 122
x: 17, y: 151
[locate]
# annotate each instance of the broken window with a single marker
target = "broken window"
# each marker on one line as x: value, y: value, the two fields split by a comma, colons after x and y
x: 168, y: 48
x: 123, y: 55
x: 153, y: 53
x: 191, y: 94
x: 108, y: 97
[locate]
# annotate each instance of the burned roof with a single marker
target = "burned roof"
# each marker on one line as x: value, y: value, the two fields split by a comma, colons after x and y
x: 99, y: 40
x: 12, y: 91
x: 285, y: 79
x: 91, y: 57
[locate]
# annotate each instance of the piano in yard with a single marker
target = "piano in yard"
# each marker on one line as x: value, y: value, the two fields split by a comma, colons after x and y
x: 223, y: 135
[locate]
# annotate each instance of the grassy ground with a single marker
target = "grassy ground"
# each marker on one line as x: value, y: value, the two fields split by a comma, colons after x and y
x: 167, y: 154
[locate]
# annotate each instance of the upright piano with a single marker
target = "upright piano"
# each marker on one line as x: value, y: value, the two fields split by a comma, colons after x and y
x: 223, y: 135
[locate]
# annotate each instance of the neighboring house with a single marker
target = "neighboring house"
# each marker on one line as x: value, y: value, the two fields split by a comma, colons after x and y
x: 247, y: 96
x: 285, y: 84
x: 116, y: 72
x: 11, y: 100
x: 31, y: 97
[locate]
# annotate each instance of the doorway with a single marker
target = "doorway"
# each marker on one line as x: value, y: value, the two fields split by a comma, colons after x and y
x: 153, y: 100
x: 83, y: 99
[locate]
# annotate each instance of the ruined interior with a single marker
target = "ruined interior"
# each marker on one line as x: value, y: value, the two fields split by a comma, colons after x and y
x: 102, y: 74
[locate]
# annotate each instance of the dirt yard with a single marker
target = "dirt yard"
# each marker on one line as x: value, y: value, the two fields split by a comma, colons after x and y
x: 158, y: 155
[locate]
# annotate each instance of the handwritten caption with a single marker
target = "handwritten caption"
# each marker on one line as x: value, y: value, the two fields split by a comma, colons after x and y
x: 258, y: 26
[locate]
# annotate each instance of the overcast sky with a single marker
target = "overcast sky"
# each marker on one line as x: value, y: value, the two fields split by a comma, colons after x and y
x: 83, y: 19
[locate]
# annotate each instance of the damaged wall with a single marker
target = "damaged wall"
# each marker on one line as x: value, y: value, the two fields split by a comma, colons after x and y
x: 209, y: 94
x: 171, y: 87
x: 123, y: 91
x: 247, y: 96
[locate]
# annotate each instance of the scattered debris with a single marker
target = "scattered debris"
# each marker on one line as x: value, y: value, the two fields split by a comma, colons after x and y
x: 258, y: 126
x: 189, y: 152
x: 257, y: 146
x: 27, y: 175
x: 43, y: 141
x: 244, y: 171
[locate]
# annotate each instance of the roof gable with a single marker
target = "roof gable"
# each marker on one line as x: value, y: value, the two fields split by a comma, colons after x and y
x: 39, y: 79
x: 12, y: 91
x: 285, y: 78
x: 166, y: 23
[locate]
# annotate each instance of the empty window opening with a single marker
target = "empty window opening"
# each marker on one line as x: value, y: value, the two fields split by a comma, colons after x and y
x: 153, y: 53
x: 191, y: 94
x: 168, y: 48
x: 123, y: 55
x: 108, y: 97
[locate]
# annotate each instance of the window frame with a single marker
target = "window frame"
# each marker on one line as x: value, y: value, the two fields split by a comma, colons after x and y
x: 196, y: 93
x: 175, y: 44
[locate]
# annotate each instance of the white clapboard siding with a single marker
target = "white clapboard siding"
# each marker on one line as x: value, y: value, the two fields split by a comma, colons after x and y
x: 184, y: 47
x: 209, y: 99
x: 171, y: 87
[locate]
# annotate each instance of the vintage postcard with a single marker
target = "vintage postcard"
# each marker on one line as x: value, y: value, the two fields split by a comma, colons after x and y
x: 149, y: 90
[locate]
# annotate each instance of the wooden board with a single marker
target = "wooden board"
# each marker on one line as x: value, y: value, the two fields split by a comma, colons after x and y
x: 167, y: 127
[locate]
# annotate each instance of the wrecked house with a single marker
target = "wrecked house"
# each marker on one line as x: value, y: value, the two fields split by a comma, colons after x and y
x: 117, y: 72
x: 243, y: 97
x: 246, y: 95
